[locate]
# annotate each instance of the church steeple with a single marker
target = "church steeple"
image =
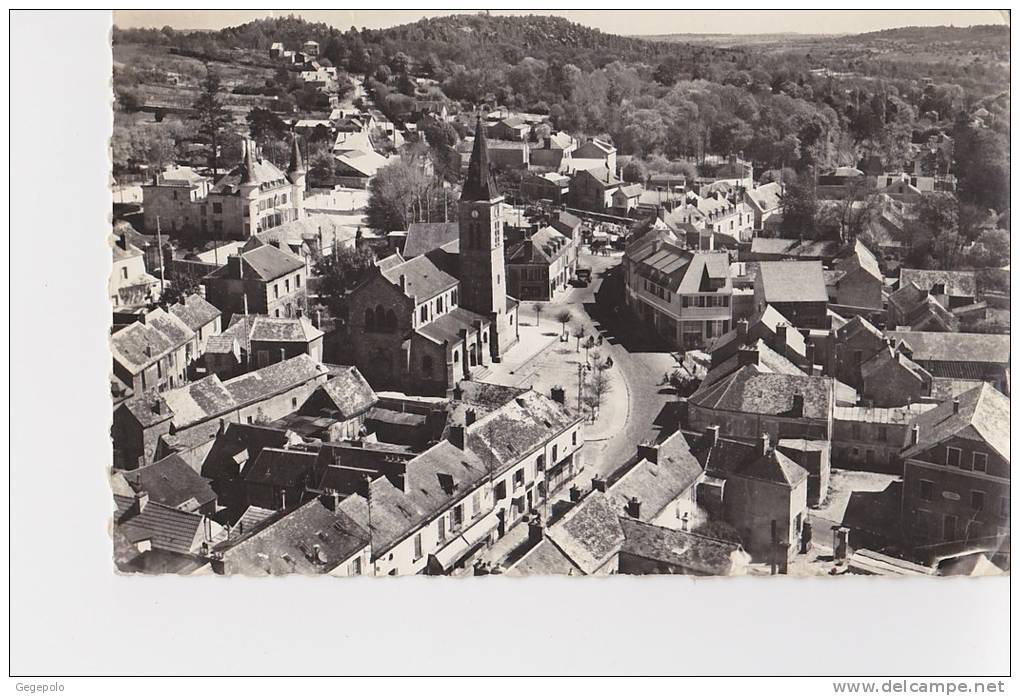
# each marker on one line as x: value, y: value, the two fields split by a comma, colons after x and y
x: 297, y: 164
x: 480, y: 184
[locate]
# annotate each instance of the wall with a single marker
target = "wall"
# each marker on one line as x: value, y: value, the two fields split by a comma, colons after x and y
x: 749, y: 426
x: 868, y: 446
x: 894, y: 385
x: 751, y: 505
x: 859, y: 289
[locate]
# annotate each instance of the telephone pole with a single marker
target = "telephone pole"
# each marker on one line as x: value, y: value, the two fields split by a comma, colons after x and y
x: 159, y: 246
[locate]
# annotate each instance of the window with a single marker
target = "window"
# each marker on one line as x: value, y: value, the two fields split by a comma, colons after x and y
x: 926, y: 489
x: 456, y: 356
x: 540, y: 463
x: 977, y: 500
x: 949, y: 528
x: 276, y: 313
x: 501, y: 490
x: 518, y: 478
x: 458, y: 517
x: 217, y: 207
x: 250, y: 420
x: 356, y: 566
x: 476, y: 504
x: 297, y: 280
x: 441, y: 529
x: 952, y: 456
x: 369, y: 319
x: 573, y: 438
x: 439, y: 305
x: 276, y: 289
x: 417, y: 546
x: 882, y: 435
x: 286, y: 285
x: 293, y: 402
x: 555, y: 453
x: 423, y: 315
x: 980, y: 461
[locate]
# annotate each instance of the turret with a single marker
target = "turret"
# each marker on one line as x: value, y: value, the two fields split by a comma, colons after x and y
x: 249, y: 188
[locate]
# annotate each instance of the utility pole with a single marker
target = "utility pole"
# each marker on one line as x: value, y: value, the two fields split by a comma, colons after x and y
x: 580, y: 385
x: 159, y: 246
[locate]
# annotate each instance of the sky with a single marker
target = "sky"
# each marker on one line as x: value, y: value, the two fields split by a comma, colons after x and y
x: 640, y: 22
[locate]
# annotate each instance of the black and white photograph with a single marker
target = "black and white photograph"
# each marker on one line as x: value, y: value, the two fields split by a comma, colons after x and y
x: 527, y: 293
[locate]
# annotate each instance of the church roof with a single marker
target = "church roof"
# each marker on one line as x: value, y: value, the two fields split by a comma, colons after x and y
x: 480, y: 184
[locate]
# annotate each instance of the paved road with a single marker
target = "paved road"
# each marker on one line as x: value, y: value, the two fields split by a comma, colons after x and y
x: 640, y: 358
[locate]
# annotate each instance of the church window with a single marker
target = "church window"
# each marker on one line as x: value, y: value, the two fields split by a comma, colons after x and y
x: 369, y: 319
x: 391, y: 321
x: 424, y: 313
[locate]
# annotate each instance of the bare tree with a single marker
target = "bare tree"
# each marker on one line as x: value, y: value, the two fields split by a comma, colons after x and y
x: 563, y: 317
x: 579, y: 333
x: 599, y: 387
x: 537, y: 307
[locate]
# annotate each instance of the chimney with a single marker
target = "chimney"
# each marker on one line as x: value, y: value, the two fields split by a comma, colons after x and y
x: 742, y: 327
x: 223, y: 426
x: 649, y: 452
x: 747, y: 355
x: 634, y: 508
x: 403, y: 282
x: 956, y: 405
x: 558, y: 394
x: 798, y: 405
x: 781, y: 338
x: 457, y: 436
x: 283, y: 355
x: 712, y: 435
x: 810, y: 358
x: 469, y: 417
x: 598, y: 484
x: 157, y: 406
x: 915, y: 434
x: 575, y: 493
x: 122, y: 241
x: 234, y: 265
x: 536, y: 529
x: 763, y: 444
x: 458, y: 393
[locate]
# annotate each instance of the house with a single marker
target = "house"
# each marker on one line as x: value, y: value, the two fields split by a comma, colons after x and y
x: 659, y: 486
x: 796, y: 289
x: 540, y: 266
x: 569, y: 226
x: 261, y: 279
x: 321, y: 537
x: 956, y: 477
x: 137, y: 426
x: 202, y: 318
x: 952, y: 289
x: 423, y: 237
x: 356, y: 168
x: 869, y: 438
x: 763, y: 494
x: 970, y: 356
x: 130, y: 285
x: 750, y: 402
x: 253, y: 197
x: 858, y: 280
x: 509, y: 129
x: 770, y: 327
x: 151, y: 526
x: 890, y: 378
x: 554, y: 153
x: 345, y: 400
x: 593, y: 189
x: 551, y: 186
x: 272, y: 340
x: 814, y: 457
x: 310, y: 48
x: 150, y: 354
x: 776, y: 249
x: 757, y: 354
x: 683, y: 296
x: 278, y: 478
x: 856, y: 342
x: 649, y: 549
x: 914, y: 309
x: 308, y: 237
x: 734, y: 171
x: 593, y: 154
x: 765, y: 201
x: 171, y: 201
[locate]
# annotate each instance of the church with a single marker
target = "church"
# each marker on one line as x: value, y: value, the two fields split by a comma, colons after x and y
x: 421, y: 325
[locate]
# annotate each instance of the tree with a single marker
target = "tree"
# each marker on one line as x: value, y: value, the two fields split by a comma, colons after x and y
x: 263, y: 124
x: 563, y: 317
x: 579, y: 333
x: 599, y: 387
x: 800, y: 211
x: 537, y: 308
x: 339, y: 272
x: 181, y: 281
x: 634, y: 171
x: 212, y: 117
x: 398, y: 195
x: 991, y: 250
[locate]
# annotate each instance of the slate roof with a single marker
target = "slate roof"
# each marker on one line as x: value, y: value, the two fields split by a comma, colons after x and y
x: 606, y: 178
x: 955, y: 347
x: 657, y: 484
x: 423, y: 279
x: 198, y: 401
x: 589, y: 534
x: 265, y: 263
x: 768, y: 360
x: 273, y: 379
x: 792, y: 281
x: 859, y: 256
x: 312, y: 539
x: 566, y: 223
x: 423, y: 237
x: 545, y: 558
x: 170, y: 326
x: 148, y: 409
x: 165, y: 527
x: 698, y: 554
x: 880, y: 360
x: 771, y: 319
x: 137, y: 346
x: 544, y: 247
x: 307, y: 230
x: 957, y: 283
x: 479, y: 185
x: 796, y: 248
x: 446, y: 327
x: 284, y: 468
x: 767, y: 196
x: 121, y: 254
x: 749, y: 390
x: 195, y: 312
x: 773, y: 467
x: 266, y: 174
x: 983, y: 415
x: 284, y: 330
x: 349, y: 391
x: 172, y: 482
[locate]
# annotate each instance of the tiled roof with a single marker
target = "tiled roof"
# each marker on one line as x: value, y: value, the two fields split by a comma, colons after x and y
x: 307, y: 229
x: 749, y: 390
x: 792, y: 281
x: 602, y: 175
x: 166, y: 528
x: 545, y: 558
x: 880, y: 360
x: 508, y: 433
x: 774, y: 467
x: 590, y: 534
x: 446, y: 327
x: 423, y: 237
x: 148, y: 409
x: 955, y: 347
x: 767, y: 196
x: 698, y: 554
x: 137, y: 346
x: 172, y: 482
x: 769, y: 320
x: 423, y: 279
x: 768, y: 360
x: 657, y: 483
x: 312, y: 539
x: 194, y: 311
x: 198, y: 401
x: 273, y: 379
x: 281, y: 467
x: 281, y: 329
x: 170, y: 326
x: 266, y: 173
x: 265, y: 263
x: 957, y: 283
x: 983, y: 413
x: 350, y: 392
x: 121, y: 254
x: 544, y: 247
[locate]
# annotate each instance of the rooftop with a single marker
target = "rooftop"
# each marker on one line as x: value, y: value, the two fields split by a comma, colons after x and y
x: 590, y: 534
x: 194, y: 311
x: 955, y: 347
x: 792, y: 281
x: 956, y: 283
x: 699, y: 554
x: 422, y: 278
x: 172, y: 482
x: 982, y: 414
x: 749, y: 390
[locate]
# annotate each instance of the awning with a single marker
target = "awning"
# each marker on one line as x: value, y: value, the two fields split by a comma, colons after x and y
x: 466, y: 543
